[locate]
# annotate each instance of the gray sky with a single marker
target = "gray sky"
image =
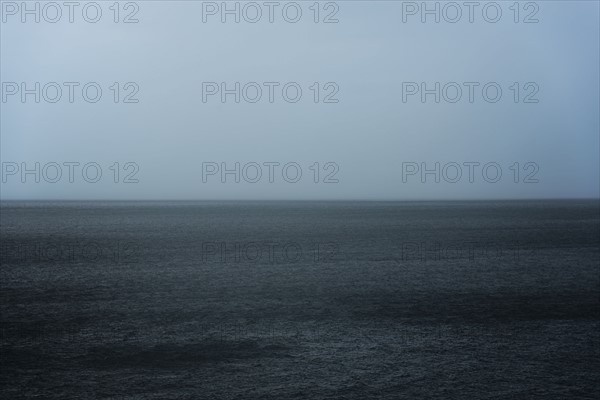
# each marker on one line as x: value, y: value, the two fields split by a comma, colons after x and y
x: 365, y: 137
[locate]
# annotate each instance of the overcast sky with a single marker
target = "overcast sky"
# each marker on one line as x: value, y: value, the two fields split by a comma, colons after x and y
x: 370, y: 144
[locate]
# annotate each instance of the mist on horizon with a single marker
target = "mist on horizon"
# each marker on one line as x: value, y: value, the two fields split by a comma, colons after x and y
x: 356, y: 100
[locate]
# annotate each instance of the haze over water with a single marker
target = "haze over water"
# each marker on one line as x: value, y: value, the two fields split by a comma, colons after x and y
x: 299, y: 200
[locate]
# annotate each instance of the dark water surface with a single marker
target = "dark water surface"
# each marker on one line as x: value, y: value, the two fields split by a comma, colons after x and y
x: 324, y: 300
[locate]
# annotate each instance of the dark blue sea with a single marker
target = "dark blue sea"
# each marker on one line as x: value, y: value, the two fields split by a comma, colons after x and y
x: 300, y: 300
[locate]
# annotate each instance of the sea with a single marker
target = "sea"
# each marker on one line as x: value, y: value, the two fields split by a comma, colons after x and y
x: 300, y: 300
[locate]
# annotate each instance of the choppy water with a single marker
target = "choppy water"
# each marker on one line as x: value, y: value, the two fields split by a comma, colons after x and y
x: 441, y: 300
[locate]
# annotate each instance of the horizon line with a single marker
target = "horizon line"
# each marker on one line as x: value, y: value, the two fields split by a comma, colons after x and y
x: 306, y: 200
